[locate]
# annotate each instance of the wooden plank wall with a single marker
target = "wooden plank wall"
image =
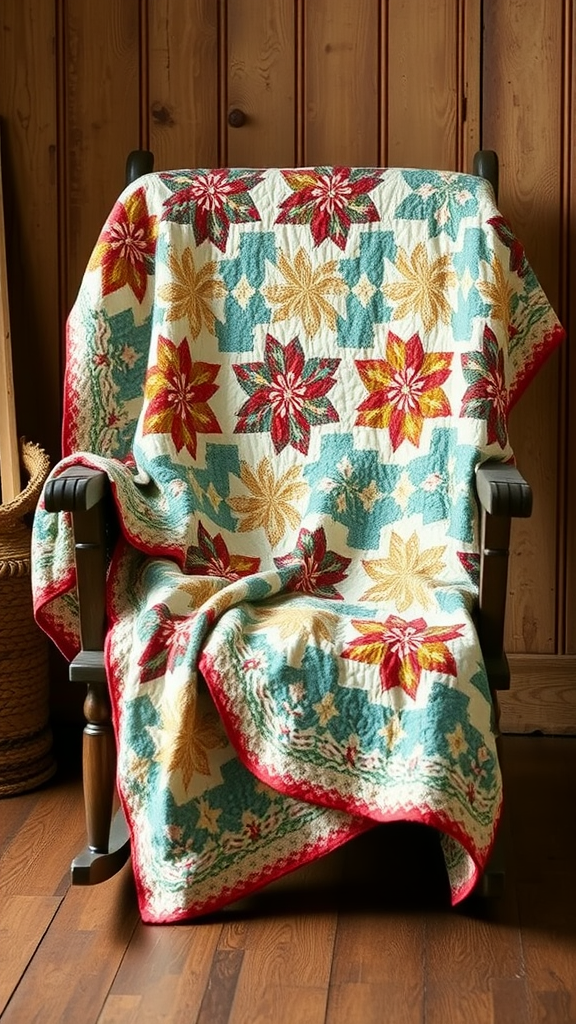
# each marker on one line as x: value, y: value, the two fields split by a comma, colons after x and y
x: 399, y: 82
x: 30, y: 166
x: 529, y: 117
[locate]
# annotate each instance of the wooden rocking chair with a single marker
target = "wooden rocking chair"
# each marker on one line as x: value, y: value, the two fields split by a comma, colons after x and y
x: 501, y: 493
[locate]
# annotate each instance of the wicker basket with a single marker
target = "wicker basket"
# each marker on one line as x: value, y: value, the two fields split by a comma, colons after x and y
x: 26, y: 758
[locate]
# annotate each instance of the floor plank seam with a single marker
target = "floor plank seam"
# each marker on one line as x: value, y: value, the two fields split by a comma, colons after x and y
x: 330, y: 987
x: 86, y: 955
x: 30, y: 960
x: 137, y: 922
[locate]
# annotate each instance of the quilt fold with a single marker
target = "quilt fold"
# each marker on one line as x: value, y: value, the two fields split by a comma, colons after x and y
x: 290, y: 377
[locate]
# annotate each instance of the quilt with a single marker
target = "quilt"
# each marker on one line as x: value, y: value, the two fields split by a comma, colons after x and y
x: 290, y: 377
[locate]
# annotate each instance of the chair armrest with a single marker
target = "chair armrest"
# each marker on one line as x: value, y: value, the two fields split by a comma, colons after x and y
x: 503, y: 491
x: 77, y: 489
x: 86, y: 494
x: 502, y: 494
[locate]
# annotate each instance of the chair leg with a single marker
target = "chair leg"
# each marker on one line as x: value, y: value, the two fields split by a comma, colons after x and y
x: 108, y: 841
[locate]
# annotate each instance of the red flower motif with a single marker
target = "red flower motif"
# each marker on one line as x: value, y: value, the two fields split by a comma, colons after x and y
x: 313, y: 569
x: 211, y: 201
x: 351, y: 752
x: 167, y: 644
x: 125, y: 250
x: 212, y: 558
x: 329, y: 200
x: 403, y: 650
x: 518, y: 261
x: 486, y: 398
x: 176, y: 394
x: 287, y: 394
x: 470, y: 560
x: 252, y: 826
x: 404, y: 389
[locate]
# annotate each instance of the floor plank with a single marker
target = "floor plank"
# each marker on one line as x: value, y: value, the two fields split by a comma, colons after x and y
x: 367, y: 934
x: 509, y: 1000
x: 283, y: 1005
x: 167, y: 968
x: 36, y: 859
x: 451, y: 1002
x: 377, y: 963
x: 285, y: 970
x: 461, y: 945
x: 23, y: 922
x: 543, y: 777
x: 375, y: 1002
x: 548, y: 916
x: 73, y: 969
x: 15, y: 810
x: 221, y: 988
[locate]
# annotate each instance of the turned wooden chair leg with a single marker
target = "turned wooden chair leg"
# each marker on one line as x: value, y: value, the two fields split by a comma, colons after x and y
x: 108, y: 845
x: 99, y: 767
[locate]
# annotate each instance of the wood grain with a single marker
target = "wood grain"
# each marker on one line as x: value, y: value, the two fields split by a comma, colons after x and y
x: 545, y: 847
x: 36, y: 860
x: 341, y: 82
x: 365, y: 1001
x: 71, y: 973
x: 261, y: 83
x: 522, y: 121
x: 470, y: 75
x: 462, y: 953
x: 285, y: 970
x: 365, y: 934
x: 29, y: 160
x: 101, y: 121
x: 509, y: 1000
x: 377, y: 963
x: 221, y: 987
x: 23, y: 922
x: 359, y: 81
x: 164, y: 969
x: 14, y: 814
x: 423, y: 84
x: 542, y: 696
x: 182, y: 63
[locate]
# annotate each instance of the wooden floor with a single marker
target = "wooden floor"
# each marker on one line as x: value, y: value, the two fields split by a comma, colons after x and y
x: 364, y: 936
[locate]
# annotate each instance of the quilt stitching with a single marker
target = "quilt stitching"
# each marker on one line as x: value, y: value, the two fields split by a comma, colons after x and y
x: 290, y: 377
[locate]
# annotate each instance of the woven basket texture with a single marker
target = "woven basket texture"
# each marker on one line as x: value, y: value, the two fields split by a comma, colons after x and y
x: 26, y: 758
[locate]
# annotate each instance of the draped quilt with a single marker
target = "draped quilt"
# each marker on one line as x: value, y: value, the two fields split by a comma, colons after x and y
x: 290, y: 378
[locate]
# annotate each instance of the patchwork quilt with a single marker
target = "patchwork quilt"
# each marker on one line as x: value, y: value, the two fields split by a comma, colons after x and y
x: 290, y: 378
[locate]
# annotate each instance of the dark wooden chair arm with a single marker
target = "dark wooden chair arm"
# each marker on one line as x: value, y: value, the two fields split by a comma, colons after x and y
x: 503, y: 491
x: 86, y: 494
x: 76, y: 490
x: 503, y: 494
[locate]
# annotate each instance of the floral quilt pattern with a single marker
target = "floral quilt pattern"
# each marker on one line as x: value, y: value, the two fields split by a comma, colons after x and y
x: 290, y: 378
